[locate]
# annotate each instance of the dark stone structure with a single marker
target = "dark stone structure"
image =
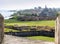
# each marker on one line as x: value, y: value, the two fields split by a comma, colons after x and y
x: 1, y: 28
x: 32, y: 33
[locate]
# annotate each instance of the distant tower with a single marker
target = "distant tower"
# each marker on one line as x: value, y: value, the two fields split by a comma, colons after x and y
x: 35, y: 8
x: 45, y: 6
x: 46, y: 9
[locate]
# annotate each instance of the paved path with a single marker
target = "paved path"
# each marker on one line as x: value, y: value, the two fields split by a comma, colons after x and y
x: 9, y: 39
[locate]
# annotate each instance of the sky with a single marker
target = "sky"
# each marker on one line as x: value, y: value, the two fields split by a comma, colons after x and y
x: 27, y: 4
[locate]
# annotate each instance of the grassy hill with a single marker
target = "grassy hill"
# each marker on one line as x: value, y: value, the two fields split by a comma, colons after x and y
x: 50, y: 23
x: 31, y: 23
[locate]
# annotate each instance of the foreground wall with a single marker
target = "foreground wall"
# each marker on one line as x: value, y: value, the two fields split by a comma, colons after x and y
x: 57, y: 31
x: 1, y: 28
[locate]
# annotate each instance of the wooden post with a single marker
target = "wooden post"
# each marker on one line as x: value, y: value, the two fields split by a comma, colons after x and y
x: 1, y: 28
x: 57, y: 31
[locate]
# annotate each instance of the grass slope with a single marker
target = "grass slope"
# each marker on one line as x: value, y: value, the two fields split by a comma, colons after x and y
x: 31, y: 23
x: 8, y: 30
x: 44, y: 38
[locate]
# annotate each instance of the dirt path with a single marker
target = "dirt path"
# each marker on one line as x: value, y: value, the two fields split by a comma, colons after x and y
x: 9, y: 39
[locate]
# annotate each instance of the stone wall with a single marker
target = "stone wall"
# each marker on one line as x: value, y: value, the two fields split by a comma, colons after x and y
x: 32, y: 33
x: 1, y: 28
x: 57, y: 31
x: 31, y: 28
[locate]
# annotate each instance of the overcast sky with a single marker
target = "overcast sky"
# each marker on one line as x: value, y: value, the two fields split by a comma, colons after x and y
x: 26, y: 4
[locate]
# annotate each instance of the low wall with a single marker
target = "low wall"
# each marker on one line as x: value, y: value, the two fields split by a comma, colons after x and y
x: 32, y: 33
x: 31, y: 28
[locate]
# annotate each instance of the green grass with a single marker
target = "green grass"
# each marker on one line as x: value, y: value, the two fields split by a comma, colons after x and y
x: 8, y: 30
x: 44, y: 38
x: 31, y: 23
x: 11, y: 21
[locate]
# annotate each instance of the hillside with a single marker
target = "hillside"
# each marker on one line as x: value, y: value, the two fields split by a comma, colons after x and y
x: 35, y: 14
x: 31, y: 23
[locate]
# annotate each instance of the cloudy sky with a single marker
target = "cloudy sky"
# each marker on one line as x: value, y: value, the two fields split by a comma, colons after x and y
x: 26, y: 4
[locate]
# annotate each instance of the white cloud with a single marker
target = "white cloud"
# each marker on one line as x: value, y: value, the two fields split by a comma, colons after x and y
x: 24, y: 4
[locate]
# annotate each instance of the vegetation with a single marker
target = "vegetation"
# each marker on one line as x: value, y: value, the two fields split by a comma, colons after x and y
x: 10, y: 30
x: 44, y: 38
x: 31, y: 23
x: 32, y: 18
x: 35, y: 14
